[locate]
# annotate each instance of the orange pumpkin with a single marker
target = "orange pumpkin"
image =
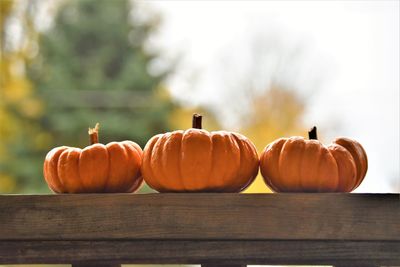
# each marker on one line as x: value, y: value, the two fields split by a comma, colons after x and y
x: 98, y: 168
x: 196, y: 160
x: 298, y: 165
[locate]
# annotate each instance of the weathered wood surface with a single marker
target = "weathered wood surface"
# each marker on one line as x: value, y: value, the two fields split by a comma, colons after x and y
x: 201, y: 217
x: 202, y: 252
x: 207, y: 229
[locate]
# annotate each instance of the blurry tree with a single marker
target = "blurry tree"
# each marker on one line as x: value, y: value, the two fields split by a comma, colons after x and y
x: 92, y: 66
x: 21, y: 137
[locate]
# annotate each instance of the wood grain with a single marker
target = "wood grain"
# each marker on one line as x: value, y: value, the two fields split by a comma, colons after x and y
x: 216, y: 264
x: 95, y: 264
x: 239, y: 252
x: 93, y: 217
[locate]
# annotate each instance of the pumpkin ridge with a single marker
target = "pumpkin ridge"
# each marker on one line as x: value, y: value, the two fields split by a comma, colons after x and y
x: 337, y: 149
x: 358, y: 153
x: 362, y: 176
x: 182, y: 154
x: 134, y: 146
x: 79, y: 174
x: 154, y: 178
x: 58, y: 167
x: 129, y: 177
x: 77, y: 171
x: 175, y: 138
x: 229, y: 140
x: 300, y: 179
x: 254, y: 174
x: 218, y: 173
x: 210, y: 153
x: 91, y: 170
x: 290, y: 144
x: 266, y: 179
x: 310, y: 176
x: 270, y: 179
x: 195, y: 163
x: 179, y: 156
x: 318, y: 162
x: 241, y: 158
x: 137, y: 180
x: 250, y: 152
x: 64, y: 169
x: 320, y: 181
x: 106, y: 187
x: 208, y: 177
x: 46, y: 169
x: 161, y: 143
x: 50, y: 168
x: 273, y: 146
x: 279, y: 167
x: 49, y: 180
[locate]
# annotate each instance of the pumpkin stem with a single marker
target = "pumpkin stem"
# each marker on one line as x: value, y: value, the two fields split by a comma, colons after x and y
x: 197, y: 121
x: 94, y: 134
x: 312, y: 134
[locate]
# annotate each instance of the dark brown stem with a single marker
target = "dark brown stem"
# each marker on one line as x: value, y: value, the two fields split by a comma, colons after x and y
x: 312, y: 134
x: 196, y: 121
x: 94, y: 134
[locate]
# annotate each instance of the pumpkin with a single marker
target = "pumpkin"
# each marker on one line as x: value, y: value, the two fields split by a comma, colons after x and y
x: 196, y: 160
x: 98, y: 168
x: 298, y: 165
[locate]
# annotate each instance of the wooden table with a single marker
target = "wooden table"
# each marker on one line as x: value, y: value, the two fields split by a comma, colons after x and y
x: 207, y: 229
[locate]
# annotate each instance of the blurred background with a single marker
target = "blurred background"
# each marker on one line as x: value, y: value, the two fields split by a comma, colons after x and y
x: 266, y: 69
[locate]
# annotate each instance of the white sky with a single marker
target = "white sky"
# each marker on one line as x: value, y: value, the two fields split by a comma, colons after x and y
x: 350, y: 76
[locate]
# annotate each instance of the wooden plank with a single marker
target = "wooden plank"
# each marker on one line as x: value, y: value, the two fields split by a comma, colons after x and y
x: 216, y: 264
x: 355, y: 253
x: 95, y: 264
x: 200, y: 217
x: 363, y: 264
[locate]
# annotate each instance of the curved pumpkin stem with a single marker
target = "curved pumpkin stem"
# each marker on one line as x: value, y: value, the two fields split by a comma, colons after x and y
x: 197, y: 121
x: 312, y: 134
x: 94, y: 134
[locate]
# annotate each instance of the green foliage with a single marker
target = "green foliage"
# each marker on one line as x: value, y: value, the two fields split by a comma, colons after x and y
x: 92, y: 66
x: 21, y: 138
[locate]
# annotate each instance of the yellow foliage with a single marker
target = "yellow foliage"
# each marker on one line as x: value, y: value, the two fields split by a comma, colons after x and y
x: 31, y: 108
x: 258, y: 186
x: 275, y: 114
x: 7, y: 183
x: 19, y: 107
x: 5, y: 9
x: 42, y: 140
x: 15, y: 89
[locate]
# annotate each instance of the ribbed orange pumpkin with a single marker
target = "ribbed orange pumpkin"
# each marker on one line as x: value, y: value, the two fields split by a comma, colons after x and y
x: 298, y: 165
x: 196, y: 160
x: 98, y: 168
